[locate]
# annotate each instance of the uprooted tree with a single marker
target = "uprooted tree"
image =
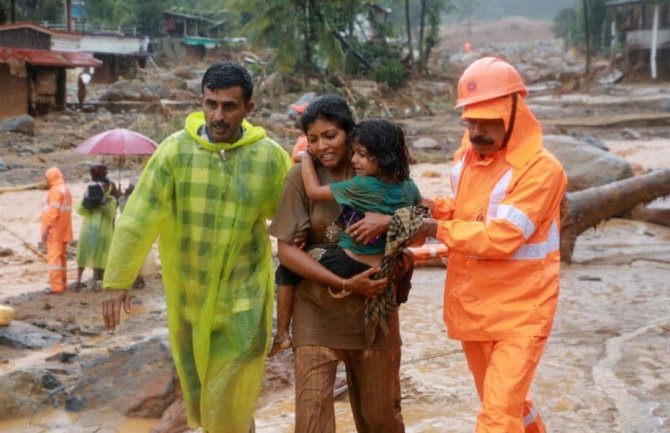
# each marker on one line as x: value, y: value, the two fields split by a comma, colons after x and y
x: 584, y: 209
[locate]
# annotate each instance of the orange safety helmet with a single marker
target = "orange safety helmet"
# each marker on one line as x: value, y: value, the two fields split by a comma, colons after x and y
x: 488, y: 78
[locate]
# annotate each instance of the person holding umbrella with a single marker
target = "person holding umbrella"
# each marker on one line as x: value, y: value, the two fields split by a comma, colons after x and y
x: 119, y: 142
x: 207, y: 193
x: 98, y: 209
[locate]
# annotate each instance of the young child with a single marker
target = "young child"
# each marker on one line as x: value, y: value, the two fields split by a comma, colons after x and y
x: 382, y: 185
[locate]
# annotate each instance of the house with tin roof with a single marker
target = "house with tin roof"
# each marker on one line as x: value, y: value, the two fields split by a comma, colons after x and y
x: 33, y: 65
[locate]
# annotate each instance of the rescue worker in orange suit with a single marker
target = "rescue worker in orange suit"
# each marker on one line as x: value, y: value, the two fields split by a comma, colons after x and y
x: 501, y: 227
x: 301, y: 142
x: 57, y: 229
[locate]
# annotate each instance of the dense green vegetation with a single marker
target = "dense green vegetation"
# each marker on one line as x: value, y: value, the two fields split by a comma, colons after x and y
x: 386, y: 40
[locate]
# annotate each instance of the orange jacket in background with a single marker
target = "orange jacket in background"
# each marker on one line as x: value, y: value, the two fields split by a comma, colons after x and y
x: 57, y: 211
x: 300, y: 146
x: 502, y: 228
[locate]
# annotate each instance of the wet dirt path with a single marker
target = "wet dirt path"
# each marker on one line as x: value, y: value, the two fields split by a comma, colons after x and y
x: 605, y: 368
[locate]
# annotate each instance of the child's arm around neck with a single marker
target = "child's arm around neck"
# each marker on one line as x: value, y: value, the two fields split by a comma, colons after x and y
x: 314, y: 190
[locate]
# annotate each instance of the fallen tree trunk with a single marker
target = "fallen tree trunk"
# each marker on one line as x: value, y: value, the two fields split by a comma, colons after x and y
x: 655, y: 216
x: 583, y: 209
x: 37, y: 185
x: 602, y: 121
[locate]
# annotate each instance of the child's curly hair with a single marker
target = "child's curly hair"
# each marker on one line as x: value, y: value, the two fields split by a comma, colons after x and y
x: 385, y: 143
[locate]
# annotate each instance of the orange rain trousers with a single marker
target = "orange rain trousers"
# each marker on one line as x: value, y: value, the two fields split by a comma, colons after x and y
x: 57, y: 219
x: 503, y: 372
x: 57, y: 264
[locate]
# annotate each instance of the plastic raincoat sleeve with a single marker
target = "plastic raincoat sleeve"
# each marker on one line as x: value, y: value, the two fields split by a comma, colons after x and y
x: 81, y: 210
x: 139, y: 225
x: 109, y: 208
x: 443, y: 208
x: 532, y: 200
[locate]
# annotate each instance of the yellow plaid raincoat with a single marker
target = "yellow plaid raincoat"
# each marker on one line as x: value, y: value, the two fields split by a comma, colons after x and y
x: 208, y: 204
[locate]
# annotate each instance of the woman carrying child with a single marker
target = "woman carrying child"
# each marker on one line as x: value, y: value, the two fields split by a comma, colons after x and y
x: 328, y: 326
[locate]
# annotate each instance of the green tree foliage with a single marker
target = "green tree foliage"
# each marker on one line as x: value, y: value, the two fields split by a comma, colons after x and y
x: 570, y: 26
x: 296, y: 29
x: 33, y: 10
x: 432, y: 11
x: 317, y: 38
x: 309, y: 37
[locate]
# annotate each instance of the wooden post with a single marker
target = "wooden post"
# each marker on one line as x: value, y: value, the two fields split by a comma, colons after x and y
x: 68, y: 15
x: 587, y: 34
x: 409, y: 32
x: 654, y: 43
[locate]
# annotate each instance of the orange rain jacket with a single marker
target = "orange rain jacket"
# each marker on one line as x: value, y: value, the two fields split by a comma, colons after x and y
x: 501, y: 226
x: 57, y: 211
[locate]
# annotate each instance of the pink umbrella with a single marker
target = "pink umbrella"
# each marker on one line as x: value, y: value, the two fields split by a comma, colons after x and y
x: 118, y: 141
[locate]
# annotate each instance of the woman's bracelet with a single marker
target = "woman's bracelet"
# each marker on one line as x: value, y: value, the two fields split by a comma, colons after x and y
x: 280, y: 338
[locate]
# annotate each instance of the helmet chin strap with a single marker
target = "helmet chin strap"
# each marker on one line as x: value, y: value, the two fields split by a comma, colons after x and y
x: 512, y: 118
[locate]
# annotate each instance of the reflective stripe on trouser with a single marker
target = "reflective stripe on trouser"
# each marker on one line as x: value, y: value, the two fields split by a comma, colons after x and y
x: 57, y: 265
x: 373, y: 377
x: 503, y: 372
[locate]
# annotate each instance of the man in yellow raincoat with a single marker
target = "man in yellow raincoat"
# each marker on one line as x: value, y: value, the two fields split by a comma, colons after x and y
x: 501, y: 225
x: 206, y: 194
x: 56, y: 229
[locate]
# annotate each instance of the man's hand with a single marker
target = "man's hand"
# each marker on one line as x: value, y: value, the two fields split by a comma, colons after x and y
x: 429, y: 203
x: 428, y: 230
x: 45, y: 235
x: 363, y: 285
x: 373, y: 225
x: 111, y: 307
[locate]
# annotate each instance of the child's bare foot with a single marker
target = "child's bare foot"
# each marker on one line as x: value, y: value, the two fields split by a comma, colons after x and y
x: 279, y: 344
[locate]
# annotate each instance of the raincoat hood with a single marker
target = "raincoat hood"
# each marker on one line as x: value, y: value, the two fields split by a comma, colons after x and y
x: 196, y: 120
x: 54, y: 176
x: 526, y: 138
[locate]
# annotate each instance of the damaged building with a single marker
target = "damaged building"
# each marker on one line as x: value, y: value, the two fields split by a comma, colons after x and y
x: 33, y: 64
x: 643, y: 28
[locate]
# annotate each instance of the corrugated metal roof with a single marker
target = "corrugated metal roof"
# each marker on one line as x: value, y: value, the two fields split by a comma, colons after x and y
x: 48, y: 58
x: 208, y: 43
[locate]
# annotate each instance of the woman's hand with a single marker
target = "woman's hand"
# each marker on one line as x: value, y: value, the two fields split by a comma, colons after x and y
x: 363, y: 285
x: 279, y: 344
x: 373, y: 225
x: 300, y: 239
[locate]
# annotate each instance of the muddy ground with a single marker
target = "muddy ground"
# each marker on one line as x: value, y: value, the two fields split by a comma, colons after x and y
x: 605, y: 368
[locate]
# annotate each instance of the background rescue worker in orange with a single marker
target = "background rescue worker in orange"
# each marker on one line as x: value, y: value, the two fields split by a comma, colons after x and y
x: 501, y: 227
x: 57, y: 228
x: 301, y: 142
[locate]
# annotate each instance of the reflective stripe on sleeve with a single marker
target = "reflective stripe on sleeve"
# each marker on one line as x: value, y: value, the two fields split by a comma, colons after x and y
x: 518, y: 218
x: 456, y: 176
x: 542, y: 249
x: 497, y: 195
